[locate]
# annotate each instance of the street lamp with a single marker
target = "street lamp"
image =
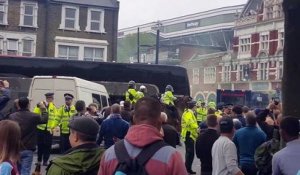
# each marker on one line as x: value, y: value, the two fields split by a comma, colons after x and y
x: 157, y: 27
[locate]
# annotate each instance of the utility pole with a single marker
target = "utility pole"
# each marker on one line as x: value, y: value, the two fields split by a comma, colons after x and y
x: 157, y: 46
x: 291, y: 81
x: 138, y: 44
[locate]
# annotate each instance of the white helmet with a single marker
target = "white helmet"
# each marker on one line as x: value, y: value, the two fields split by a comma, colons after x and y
x: 143, y: 88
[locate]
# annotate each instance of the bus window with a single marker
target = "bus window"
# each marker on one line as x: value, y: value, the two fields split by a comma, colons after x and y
x: 96, y: 99
x: 104, y: 101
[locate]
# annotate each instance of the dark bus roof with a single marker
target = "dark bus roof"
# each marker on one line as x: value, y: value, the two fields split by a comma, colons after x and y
x: 159, y: 75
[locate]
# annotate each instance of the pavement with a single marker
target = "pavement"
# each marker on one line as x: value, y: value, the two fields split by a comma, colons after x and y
x: 181, y: 149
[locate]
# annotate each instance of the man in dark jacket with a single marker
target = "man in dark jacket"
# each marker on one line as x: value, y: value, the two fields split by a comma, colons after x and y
x: 4, y: 96
x: 237, y: 112
x: 28, y: 122
x: 170, y: 134
x: 204, y: 144
x: 84, y: 156
x: 113, y: 128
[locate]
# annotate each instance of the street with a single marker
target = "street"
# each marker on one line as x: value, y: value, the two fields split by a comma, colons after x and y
x: 196, y: 163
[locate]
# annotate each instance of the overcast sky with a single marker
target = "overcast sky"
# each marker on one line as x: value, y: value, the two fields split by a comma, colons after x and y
x: 136, y: 12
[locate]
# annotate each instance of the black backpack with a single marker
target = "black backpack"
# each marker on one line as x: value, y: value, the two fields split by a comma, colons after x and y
x: 136, y: 166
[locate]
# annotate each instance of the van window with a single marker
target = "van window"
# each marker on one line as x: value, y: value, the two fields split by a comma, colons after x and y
x: 104, y: 101
x: 96, y: 99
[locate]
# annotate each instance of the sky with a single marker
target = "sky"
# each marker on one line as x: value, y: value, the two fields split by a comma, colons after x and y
x: 137, y: 12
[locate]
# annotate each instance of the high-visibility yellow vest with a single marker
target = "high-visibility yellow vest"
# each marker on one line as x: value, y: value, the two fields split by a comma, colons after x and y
x: 63, y: 118
x: 218, y: 113
x: 51, y: 110
x: 168, y: 98
x: 201, y: 114
x: 140, y: 95
x: 131, y: 95
x: 189, y: 124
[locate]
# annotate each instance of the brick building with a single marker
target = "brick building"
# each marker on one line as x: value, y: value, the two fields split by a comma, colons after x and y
x: 255, y: 61
x: 70, y: 29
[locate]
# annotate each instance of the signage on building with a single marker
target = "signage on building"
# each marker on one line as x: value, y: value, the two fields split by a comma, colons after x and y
x: 261, y: 86
x: 192, y: 24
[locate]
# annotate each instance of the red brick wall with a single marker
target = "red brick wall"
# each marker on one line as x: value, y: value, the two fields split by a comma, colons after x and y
x: 235, y: 43
x: 273, y: 42
x: 255, y: 45
x: 253, y: 75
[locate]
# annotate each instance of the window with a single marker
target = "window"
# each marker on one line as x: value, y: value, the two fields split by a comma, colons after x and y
x: 70, y: 18
x: 264, y: 42
x: 196, y: 76
x: 270, y: 12
x: 226, y: 74
x: 263, y: 71
x: 104, y: 101
x: 3, y: 12
x: 1, y: 45
x: 27, y: 47
x: 96, y: 99
x: 68, y: 52
x: 281, y: 39
x: 93, y: 54
x: 279, y: 11
x: 28, y: 14
x: 245, y: 45
x: 280, y: 70
x: 209, y: 75
x: 241, y: 72
x: 12, y: 47
x: 95, y: 20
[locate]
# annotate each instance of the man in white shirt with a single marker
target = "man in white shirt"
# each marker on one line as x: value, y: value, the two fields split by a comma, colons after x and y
x: 224, y: 153
x: 286, y: 161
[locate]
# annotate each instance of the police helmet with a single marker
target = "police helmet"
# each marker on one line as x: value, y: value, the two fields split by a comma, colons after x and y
x: 143, y: 88
x: 169, y: 88
x: 131, y: 84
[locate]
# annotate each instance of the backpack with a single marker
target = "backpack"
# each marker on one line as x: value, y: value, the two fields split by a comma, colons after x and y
x: 264, y: 154
x: 136, y: 166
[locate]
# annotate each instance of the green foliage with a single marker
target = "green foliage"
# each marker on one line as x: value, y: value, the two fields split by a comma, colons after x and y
x: 127, y: 46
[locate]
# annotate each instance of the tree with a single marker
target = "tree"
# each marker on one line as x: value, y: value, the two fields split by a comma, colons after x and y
x: 127, y: 46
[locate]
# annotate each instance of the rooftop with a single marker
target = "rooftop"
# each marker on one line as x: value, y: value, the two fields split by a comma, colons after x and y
x: 102, y: 3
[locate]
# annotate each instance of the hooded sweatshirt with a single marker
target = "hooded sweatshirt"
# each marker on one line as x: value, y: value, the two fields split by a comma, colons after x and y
x: 83, y: 160
x: 166, y: 161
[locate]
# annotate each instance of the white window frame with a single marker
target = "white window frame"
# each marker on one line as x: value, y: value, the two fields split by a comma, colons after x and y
x: 101, y: 22
x: 263, y: 71
x: 210, y: 75
x: 264, y: 42
x: 245, y: 45
x: 5, y: 11
x: 196, y: 74
x: 17, y: 46
x: 94, y: 58
x: 226, y: 73
x: 81, y: 43
x: 279, y: 70
x: 281, y: 39
x: 270, y: 12
x: 34, y: 15
x: 68, y: 50
x: 63, y: 18
x: 32, y: 47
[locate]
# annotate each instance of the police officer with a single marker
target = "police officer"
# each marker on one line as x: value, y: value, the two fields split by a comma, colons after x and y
x: 131, y: 94
x: 44, y: 131
x: 168, y: 97
x: 142, y: 92
x: 189, y: 133
x: 201, y: 112
x: 64, y: 114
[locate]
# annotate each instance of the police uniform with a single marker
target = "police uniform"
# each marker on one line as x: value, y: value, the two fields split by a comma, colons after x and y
x: 201, y: 113
x: 168, y: 97
x: 131, y: 94
x: 189, y: 133
x: 44, y: 131
x: 63, y: 117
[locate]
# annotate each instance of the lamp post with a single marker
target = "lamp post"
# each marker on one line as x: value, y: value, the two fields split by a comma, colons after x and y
x: 138, y: 45
x: 158, y: 25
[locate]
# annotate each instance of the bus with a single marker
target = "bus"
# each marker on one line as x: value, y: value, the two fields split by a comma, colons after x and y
x: 114, y: 76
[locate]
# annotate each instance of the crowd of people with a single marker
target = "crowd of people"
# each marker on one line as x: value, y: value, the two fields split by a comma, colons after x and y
x: 137, y: 137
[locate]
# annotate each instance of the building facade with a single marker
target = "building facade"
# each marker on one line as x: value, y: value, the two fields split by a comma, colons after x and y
x: 69, y: 29
x: 213, y: 28
x: 255, y: 60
